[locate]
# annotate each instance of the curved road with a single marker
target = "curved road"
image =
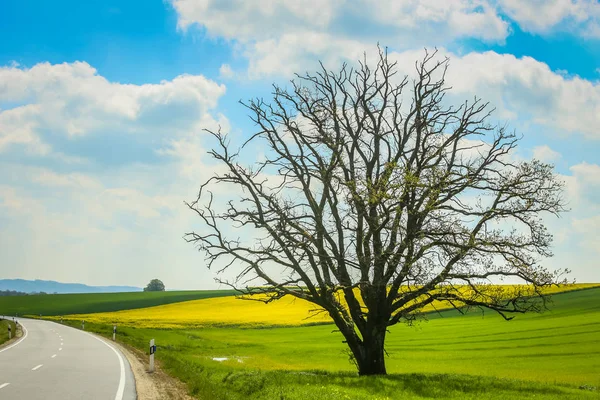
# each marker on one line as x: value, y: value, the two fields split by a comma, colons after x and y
x: 53, y: 361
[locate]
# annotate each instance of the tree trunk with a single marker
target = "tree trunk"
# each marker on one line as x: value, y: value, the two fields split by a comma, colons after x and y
x: 369, y: 354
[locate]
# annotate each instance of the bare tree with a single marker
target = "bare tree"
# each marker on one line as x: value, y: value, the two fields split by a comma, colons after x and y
x: 372, y: 209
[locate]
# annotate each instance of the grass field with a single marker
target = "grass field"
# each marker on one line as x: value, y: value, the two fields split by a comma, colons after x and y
x: 231, y: 311
x: 61, y: 304
x: 4, y: 324
x: 541, y: 356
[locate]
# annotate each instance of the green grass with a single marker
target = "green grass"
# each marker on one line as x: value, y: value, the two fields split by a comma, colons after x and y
x: 84, y: 303
x: 542, y: 356
x: 4, y: 324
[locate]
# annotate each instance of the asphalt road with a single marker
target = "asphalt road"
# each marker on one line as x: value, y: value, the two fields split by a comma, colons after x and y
x: 53, y: 361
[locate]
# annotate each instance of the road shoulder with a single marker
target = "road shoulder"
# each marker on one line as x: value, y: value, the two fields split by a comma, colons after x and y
x: 15, y: 338
x: 152, y: 386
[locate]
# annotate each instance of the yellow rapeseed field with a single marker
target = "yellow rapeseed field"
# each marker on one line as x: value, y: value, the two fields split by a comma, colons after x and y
x: 233, y: 311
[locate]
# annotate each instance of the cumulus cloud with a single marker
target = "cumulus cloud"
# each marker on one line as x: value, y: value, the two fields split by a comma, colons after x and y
x: 583, y: 188
x: 244, y: 20
x: 420, y: 21
x: 521, y: 88
x: 545, y: 153
x: 279, y: 38
x: 276, y: 34
x: 541, y: 16
x: 256, y: 21
x: 18, y: 125
x: 588, y: 229
x: 94, y: 222
x: 295, y: 53
x: 73, y: 100
x: 122, y: 226
x: 580, y: 227
x: 226, y: 72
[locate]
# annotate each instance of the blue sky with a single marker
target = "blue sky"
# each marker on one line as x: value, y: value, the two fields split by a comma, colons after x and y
x: 102, y: 105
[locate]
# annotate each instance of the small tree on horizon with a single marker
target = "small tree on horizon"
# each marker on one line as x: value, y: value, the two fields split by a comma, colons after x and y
x: 155, y: 285
x: 372, y: 208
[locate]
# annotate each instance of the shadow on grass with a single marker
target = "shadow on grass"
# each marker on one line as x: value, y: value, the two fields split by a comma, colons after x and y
x: 219, y: 382
x: 439, y: 385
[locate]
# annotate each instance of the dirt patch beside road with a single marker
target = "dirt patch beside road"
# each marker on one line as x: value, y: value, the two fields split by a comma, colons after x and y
x: 156, y: 385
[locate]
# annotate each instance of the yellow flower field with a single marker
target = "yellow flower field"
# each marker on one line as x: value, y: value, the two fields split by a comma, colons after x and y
x: 233, y: 311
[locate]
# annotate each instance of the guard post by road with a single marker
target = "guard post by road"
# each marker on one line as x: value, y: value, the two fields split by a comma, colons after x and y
x: 9, y: 332
x: 83, y: 325
x: 114, y: 332
x: 152, y: 351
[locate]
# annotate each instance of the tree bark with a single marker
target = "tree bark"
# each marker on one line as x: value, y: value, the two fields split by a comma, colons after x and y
x: 370, y: 353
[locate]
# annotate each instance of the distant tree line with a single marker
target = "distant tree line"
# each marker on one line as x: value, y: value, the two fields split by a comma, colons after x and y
x: 11, y: 293
x: 17, y: 293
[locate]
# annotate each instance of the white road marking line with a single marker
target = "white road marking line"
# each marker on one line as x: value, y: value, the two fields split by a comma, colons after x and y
x: 53, y: 356
x: 4, y: 385
x: 19, y: 341
x: 60, y: 349
x: 121, y: 388
x: 37, y: 367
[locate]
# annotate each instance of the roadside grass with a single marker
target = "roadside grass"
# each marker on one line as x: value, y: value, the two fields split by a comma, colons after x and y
x: 450, y: 356
x: 4, y: 324
x: 62, y: 304
x: 231, y: 311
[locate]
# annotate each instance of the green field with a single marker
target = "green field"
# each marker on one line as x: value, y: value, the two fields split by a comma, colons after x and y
x: 62, y: 304
x: 4, y: 324
x: 542, y: 356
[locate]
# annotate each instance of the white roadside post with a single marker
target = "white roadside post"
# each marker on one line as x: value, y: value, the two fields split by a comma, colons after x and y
x: 83, y: 325
x: 152, y: 351
x: 9, y: 333
x: 114, y: 332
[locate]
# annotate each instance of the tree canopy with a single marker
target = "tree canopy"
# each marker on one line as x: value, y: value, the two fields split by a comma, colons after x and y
x: 372, y: 206
x: 155, y: 285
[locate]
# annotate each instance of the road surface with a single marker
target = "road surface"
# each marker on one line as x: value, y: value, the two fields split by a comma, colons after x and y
x: 53, y: 361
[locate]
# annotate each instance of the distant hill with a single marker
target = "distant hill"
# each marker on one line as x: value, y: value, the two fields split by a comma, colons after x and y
x: 36, y: 286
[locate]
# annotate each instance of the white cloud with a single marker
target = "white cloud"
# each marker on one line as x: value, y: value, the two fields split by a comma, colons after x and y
x: 542, y: 16
x: 122, y: 223
x: 527, y: 89
x: 102, y: 229
x: 13, y: 204
x: 520, y: 88
x: 278, y: 37
x: 73, y: 100
x: 452, y: 18
x: 18, y: 125
x: 545, y: 153
x: 588, y: 174
x: 517, y: 87
x: 256, y: 21
x: 72, y: 180
x: 245, y: 20
x: 577, y: 231
x: 226, y: 72
x: 588, y: 229
x: 293, y: 53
